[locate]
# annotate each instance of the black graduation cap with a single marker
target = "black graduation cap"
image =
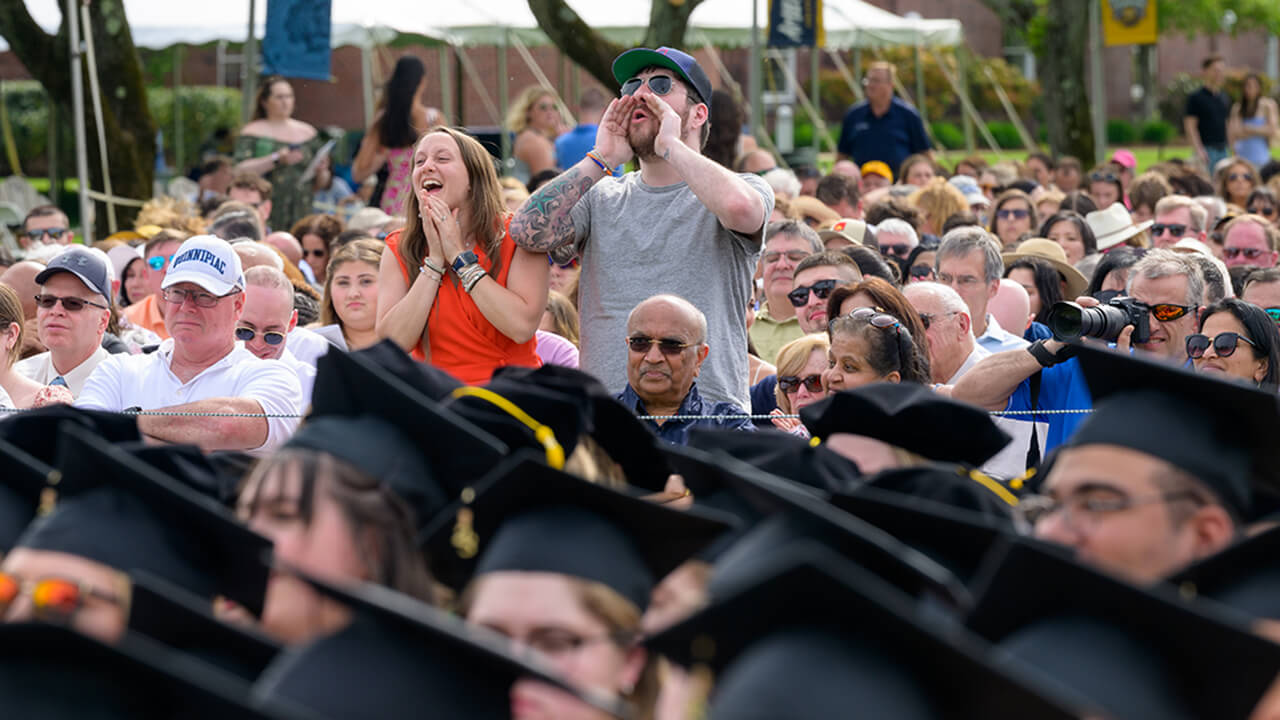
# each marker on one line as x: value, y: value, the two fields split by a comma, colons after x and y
x: 181, y: 621
x: 704, y: 478
x: 114, y: 509
x: 525, y: 415
x: 809, y: 634
x: 951, y: 485
x: 613, y: 426
x: 52, y: 671
x: 1134, y: 652
x: 400, y: 658
x: 1244, y: 576
x: 529, y: 517
x: 429, y: 380
x: 797, y: 459
x: 1219, y: 431
x: 36, y: 430
x: 955, y: 538
x: 188, y: 464
x: 21, y: 485
x: 426, y: 453
x: 795, y: 513
x: 910, y: 416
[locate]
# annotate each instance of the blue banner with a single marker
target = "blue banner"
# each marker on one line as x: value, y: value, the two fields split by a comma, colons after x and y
x: 296, y: 44
x: 795, y: 23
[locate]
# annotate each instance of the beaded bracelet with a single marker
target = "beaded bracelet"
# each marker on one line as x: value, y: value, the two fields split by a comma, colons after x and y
x: 599, y: 163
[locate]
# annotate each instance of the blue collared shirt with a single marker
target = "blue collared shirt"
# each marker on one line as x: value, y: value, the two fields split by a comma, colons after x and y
x: 997, y: 340
x: 676, y: 431
x: 890, y: 138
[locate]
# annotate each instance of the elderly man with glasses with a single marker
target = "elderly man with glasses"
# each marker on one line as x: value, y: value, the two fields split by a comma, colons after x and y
x: 225, y: 397
x: 666, y: 346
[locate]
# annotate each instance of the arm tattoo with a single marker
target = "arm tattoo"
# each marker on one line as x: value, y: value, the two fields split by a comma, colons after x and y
x: 544, y: 222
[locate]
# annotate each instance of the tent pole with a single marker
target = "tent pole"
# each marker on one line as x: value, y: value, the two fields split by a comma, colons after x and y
x: 815, y: 87
x: 1097, y: 88
x: 920, y: 107
x: 248, y: 71
x: 969, y: 142
x: 366, y: 80
x: 843, y: 69
x: 178, y: 158
x: 527, y: 58
x: 1010, y: 111
x: 96, y: 92
x: 77, y: 121
x: 958, y: 87
x: 477, y: 82
x: 819, y: 125
x: 736, y: 90
x: 754, y: 77
x: 446, y: 85
x: 501, y: 120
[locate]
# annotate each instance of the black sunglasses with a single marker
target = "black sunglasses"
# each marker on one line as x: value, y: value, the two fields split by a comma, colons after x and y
x: 790, y: 383
x: 271, y: 337
x: 70, y: 304
x: 1224, y: 344
x: 920, y: 272
x: 1264, y: 211
x: 320, y: 252
x: 659, y: 84
x: 926, y: 319
x: 1018, y: 213
x: 668, y: 346
x: 896, y: 249
x: 822, y: 289
x: 1174, y: 229
x: 46, y: 232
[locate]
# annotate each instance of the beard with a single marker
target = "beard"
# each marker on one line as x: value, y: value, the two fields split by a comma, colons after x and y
x: 641, y: 137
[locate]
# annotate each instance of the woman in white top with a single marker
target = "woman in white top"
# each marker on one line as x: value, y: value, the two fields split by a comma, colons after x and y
x: 349, y: 310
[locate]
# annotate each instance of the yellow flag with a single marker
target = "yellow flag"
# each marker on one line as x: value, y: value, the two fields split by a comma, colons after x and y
x: 1128, y: 22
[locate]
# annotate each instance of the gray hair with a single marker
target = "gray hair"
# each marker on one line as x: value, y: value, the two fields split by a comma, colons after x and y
x: 783, y: 182
x: 896, y: 226
x: 796, y: 228
x: 699, y: 319
x: 971, y: 238
x: 1162, y: 263
x: 1169, y: 203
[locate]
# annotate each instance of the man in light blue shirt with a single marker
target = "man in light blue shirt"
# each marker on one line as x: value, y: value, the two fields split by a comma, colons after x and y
x: 969, y: 261
x: 573, y: 144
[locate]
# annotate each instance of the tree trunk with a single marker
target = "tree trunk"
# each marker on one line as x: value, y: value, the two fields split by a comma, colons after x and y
x: 1063, y: 85
x: 130, y: 132
x: 668, y: 20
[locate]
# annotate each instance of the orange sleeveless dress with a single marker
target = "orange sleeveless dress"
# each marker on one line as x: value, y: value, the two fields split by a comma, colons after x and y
x: 463, y: 342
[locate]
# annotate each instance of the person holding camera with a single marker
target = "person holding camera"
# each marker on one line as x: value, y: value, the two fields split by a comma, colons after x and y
x: 1045, y: 376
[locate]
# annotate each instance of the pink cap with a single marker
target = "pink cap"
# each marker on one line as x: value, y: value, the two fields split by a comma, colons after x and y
x: 1124, y: 158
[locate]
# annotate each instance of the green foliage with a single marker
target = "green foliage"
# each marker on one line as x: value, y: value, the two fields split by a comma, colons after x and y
x: 947, y: 134
x: 28, y: 110
x: 1006, y: 135
x: 1120, y: 132
x: 204, y: 109
x: 1157, y: 132
x: 1198, y: 17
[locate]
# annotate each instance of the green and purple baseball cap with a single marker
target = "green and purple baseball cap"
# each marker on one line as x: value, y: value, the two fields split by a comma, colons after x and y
x: 634, y: 60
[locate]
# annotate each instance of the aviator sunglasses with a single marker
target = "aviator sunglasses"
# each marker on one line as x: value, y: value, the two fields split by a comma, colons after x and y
x: 659, y: 84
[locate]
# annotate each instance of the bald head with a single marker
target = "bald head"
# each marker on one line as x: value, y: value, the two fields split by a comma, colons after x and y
x: 287, y: 244
x: 22, y: 278
x: 256, y: 254
x: 757, y: 161
x: 1011, y: 307
x: 679, y: 311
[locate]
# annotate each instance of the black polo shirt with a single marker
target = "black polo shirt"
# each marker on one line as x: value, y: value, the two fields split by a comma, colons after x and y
x: 1211, y: 110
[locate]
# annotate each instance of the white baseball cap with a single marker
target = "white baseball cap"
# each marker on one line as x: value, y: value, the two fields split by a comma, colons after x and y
x: 207, y: 261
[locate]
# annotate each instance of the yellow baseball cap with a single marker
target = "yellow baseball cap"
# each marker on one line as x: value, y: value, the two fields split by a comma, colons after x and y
x: 879, y: 168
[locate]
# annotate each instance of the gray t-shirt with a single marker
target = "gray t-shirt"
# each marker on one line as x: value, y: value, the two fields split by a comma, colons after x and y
x: 637, y: 241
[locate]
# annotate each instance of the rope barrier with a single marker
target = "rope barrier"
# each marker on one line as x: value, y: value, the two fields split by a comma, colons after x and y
x: 274, y: 416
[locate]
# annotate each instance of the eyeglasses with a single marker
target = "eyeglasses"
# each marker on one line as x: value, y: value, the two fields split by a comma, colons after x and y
x: 822, y: 289
x: 920, y: 272
x: 1173, y: 229
x: 1264, y: 211
x: 70, y: 304
x: 947, y: 279
x: 659, y: 84
x: 201, y: 299
x: 271, y: 337
x: 51, y: 233
x: 565, y: 266
x: 1224, y: 344
x: 927, y: 318
x: 1232, y: 253
x: 794, y: 256
x: 896, y: 249
x: 1085, y: 510
x: 554, y: 641
x: 1019, y: 213
x: 158, y: 262
x: 318, y: 252
x: 668, y: 346
x: 790, y: 384
x: 1103, y: 177
x: 1240, y: 176
x: 52, y: 595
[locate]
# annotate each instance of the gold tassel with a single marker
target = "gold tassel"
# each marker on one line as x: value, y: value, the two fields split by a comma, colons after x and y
x: 465, y: 540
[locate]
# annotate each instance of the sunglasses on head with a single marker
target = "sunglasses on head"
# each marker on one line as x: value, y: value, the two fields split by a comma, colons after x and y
x: 668, y: 346
x: 1103, y: 177
x: 46, y: 232
x: 52, y: 595
x: 1019, y: 213
x: 1173, y: 229
x: 1232, y: 253
x: 271, y: 337
x: 157, y: 262
x: 822, y: 289
x: 659, y: 84
x: 1224, y: 344
x: 70, y: 304
x: 791, y: 383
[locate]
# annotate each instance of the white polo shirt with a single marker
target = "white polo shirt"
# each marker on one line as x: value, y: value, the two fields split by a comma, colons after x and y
x: 145, y: 381
x: 40, y: 369
x: 977, y: 355
x: 306, y: 345
x: 306, y: 374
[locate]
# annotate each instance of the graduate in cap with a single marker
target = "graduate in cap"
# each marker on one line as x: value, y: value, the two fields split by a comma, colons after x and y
x: 398, y: 658
x: 567, y: 567
x: 1135, y: 653
x: 1244, y: 577
x: 1166, y: 471
x: 808, y: 634
x: 349, y: 494
x: 105, y: 514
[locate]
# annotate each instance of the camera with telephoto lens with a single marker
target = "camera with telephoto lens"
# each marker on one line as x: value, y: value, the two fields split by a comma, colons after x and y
x: 1069, y: 321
